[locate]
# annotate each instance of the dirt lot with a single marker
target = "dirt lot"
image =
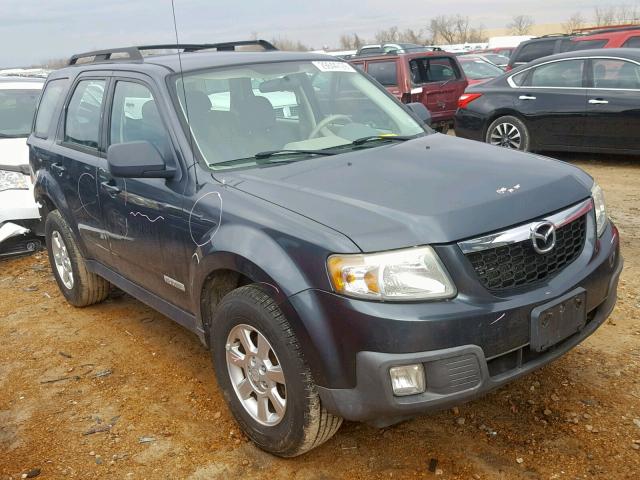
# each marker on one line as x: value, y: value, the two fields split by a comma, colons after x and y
x: 119, y: 391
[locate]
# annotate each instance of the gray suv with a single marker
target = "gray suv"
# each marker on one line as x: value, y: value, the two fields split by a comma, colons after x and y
x: 339, y: 258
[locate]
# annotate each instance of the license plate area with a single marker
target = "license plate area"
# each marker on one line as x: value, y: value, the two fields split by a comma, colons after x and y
x: 557, y: 320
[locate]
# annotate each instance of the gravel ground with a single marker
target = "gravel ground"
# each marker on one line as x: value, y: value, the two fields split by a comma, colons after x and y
x: 119, y: 391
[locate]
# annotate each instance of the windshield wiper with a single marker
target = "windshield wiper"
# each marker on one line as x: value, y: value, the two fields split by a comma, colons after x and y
x: 393, y: 138
x: 271, y: 153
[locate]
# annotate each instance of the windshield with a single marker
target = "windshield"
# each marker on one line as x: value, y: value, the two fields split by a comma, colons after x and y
x: 237, y: 113
x: 477, y: 69
x: 16, y: 112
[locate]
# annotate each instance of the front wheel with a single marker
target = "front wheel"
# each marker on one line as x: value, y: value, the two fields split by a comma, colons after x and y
x: 509, y: 132
x: 261, y: 370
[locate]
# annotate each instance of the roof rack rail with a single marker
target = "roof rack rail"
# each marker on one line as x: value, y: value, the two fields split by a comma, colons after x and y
x: 607, y: 29
x: 135, y: 53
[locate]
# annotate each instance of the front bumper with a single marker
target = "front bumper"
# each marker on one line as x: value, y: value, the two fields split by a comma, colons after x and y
x: 484, y: 338
x: 454, y: 375
x: 20, y: 223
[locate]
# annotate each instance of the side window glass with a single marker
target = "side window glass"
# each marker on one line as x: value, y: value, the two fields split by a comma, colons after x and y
x: 48, y: 103
x: 633, y: 42
x: 519, y: 79
x: 82, y: 125
x: 384, y: 72
x: 535, y: 50
x: 609, y: 73
x: 440, y: 70
x: 135, y: 117
x: 567, y: 74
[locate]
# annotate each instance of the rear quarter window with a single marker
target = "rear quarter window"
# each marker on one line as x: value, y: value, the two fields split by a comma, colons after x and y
x: 632, y: 42
x: 535, y: 50
x: 48, y: 104
x: 587, y: 44
x: 384, y: 72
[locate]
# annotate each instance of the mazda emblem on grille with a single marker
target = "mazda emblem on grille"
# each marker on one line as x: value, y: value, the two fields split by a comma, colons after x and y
x: 543, y: 237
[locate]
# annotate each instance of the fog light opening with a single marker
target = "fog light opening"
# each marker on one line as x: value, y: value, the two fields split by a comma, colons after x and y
x: 407, y: 379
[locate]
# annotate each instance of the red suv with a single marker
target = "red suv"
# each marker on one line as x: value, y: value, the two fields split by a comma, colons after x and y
x: 434, y: 79
x: 627, y: 36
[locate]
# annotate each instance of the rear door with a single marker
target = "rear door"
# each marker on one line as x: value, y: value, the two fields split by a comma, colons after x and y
x: 552, y: 99
x: 74, y: 160
x: 442, y: 83
x: 613, y: 100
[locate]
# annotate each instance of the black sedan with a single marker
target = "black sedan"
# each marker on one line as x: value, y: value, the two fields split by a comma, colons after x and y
x: 577, y: 101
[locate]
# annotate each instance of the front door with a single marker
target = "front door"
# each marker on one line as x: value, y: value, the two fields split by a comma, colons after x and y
x: 144, y: 217
x: 613, y: 105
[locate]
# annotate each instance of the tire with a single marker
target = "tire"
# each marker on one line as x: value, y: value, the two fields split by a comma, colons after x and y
x: 509, y: 132
x: 82, y: 288
x: 304, y: 423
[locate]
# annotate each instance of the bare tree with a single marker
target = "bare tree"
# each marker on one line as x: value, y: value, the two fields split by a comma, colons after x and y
x: 454, y: 29
x: 520, y: 24
x: 443, y: 29
x: 616, y: 15
x: 604, y: 16
x: 392, y: 34
x: 418, y: 37
x: 289, y: 45
x: 627, y: 14
x: 573, y: 23
x: 350, y: 41
x: 53, y: 63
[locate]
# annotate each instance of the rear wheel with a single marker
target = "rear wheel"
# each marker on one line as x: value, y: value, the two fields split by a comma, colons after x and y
x: 79, y: 286
x: 262, y: 372
x: 509, y: 132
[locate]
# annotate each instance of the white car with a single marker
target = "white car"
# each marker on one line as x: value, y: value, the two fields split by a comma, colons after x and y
x: 20, y: 225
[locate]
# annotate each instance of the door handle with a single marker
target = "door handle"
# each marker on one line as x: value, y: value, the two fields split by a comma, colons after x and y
x: 526, y: 97
x: 58, y: 168
x: 110, y: 188
x: 598, y: 101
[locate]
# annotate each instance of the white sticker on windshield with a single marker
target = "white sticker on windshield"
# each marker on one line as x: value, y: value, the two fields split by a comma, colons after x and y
x: 328, y: 66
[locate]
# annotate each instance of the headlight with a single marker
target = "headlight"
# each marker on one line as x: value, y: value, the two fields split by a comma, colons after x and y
x: 13, y: 181
x: 600, y: 208
x: 411, y: 274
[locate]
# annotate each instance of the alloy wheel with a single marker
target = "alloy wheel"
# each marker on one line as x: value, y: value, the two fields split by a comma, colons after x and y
x: 256, y: 375
x: 506, y: 135
x: 61, y: 259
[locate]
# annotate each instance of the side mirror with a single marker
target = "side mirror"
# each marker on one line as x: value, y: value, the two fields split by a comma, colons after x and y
x: 137, y: 160
x: 420, y: 111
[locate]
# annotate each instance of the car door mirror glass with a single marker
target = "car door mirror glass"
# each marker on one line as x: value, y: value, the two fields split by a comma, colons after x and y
x: 137, y: 160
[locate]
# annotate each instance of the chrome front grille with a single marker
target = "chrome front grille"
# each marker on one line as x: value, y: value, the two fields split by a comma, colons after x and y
x: 507, y: 259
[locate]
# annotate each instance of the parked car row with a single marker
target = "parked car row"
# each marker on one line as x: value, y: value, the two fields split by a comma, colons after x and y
x: 586, y: 100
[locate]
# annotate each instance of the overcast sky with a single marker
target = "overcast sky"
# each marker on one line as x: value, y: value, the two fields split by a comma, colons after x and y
x: 32, y: 31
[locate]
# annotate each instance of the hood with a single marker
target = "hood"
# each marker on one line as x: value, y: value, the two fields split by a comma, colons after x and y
x: 435, y: 189
x: 14, y: 151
